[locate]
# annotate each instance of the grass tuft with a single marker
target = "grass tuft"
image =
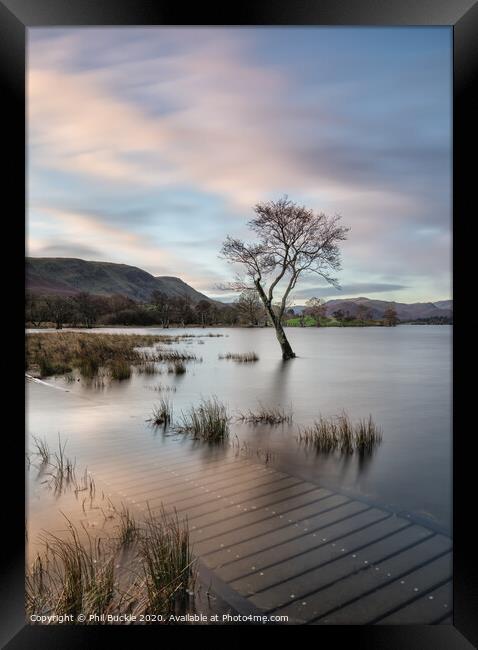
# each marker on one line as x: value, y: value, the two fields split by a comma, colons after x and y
x: 162, y: 413
x: 177, y: 368
x: 340, y: 433
x: 268, y: 415
x: 167, y: 560
x: 209, y: 421
x: 120, y: 369
x: 240, y: 357
x: 50, y: 354
x: 42, y: 450
x: 75, y: 574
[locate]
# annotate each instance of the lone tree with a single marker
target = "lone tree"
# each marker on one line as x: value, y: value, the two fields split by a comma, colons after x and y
x: 390, y: 318
x: 291, y: 240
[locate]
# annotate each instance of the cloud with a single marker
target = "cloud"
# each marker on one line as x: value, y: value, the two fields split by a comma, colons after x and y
x: 233, y: 126
x: 67, y: 249
x: 357, y: 289
x: 170, y: 135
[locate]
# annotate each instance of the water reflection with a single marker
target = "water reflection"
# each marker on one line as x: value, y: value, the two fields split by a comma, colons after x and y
x: 400, y: 375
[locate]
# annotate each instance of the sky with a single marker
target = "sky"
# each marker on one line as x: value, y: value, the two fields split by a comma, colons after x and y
x: 149, y: 145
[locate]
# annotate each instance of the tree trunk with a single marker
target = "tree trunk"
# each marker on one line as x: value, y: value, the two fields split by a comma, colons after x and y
x: 287, y: 352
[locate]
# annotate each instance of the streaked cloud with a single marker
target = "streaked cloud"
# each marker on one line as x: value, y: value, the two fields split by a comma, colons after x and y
x: 143, y: 140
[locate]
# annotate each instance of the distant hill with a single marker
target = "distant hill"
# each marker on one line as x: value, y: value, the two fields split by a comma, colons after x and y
x: 405, y: 312
x: 444, y: 304
x: 68, y: 276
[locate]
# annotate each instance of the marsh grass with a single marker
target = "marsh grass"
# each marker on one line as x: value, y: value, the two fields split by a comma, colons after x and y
x: 163, y: 388
x: 49, y: 368
x: 72, y: 576
x: 120, y: 369
x: 64, y: 468
x: 209, y: 421
x: 167, y: 561
x: 148, y: 368
x: 42, y: 450
x: 88, y: 367
x: 128, y: 529
x: 61, y: 352
x: 240, y: 357
x: 169, y: 356
x: 244, y: 448
x: 339, y: 433
x: 76, y: 574
x: 176, y: 368
x: 85, y: 484
x: 162, y: 413
x: 267, y: 415
x: 60, y: 470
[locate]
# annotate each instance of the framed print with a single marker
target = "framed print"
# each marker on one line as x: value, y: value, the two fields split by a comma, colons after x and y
x: 240, y: 278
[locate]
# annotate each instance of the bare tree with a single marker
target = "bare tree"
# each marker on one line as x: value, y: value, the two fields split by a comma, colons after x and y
x: 35, y: 309
x: 59, y: 310
x: 88, y: 308
x: 290, y: 240
x: 390, y: 318
x: 316, y: 308
x: 162, y: 305
x: 203, y: 309
x: 249, y: 306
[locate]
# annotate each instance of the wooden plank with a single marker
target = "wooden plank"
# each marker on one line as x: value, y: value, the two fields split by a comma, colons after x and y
x: 250, y: 513
x: 425, y: 610
x: 176, y: 488
x: 249, y: 499
x: 273, y: 531
x: 262, y: 553
x: 209, y: 496
x: 148, y: 461
x: 169, y: 476
x: 330, y: 562
x: 399, y: 592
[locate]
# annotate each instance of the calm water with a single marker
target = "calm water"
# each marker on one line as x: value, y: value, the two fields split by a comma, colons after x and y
x: 401, y: 376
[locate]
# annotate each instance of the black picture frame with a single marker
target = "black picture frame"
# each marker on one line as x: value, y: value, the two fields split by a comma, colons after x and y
x: 16, y: 16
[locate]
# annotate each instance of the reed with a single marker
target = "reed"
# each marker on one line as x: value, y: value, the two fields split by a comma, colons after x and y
x: 339, y: 433
x: 61, y: 352
x: 42, y: 450
x: 167, y: 561
x: 162, y: 413
x: 267, y: 415
x: 209, y: 421
x: 177, y: 368
x: 75, y: 573
x: 240, y: 357
x: 120, y: 369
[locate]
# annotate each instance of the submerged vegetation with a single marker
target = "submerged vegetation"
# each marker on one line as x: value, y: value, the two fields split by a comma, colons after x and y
x: 77, y: 574
x: 50, y: 354
x: 241, y: 357
x: 58, y: 470
x: 167, y: 561
x: 176, y: 368
x: 209, y: 421
x: 268, y: 415
x: 339, y: 433
x: 162, y: 413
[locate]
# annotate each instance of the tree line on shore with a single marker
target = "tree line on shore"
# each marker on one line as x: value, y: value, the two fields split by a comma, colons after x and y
x: 89, y: 310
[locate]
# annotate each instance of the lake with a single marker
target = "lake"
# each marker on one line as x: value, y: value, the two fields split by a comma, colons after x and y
x: 401, y: 376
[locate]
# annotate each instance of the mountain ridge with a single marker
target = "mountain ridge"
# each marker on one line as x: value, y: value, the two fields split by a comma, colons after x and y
x: 71, y: 275
x: 376, y: 308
